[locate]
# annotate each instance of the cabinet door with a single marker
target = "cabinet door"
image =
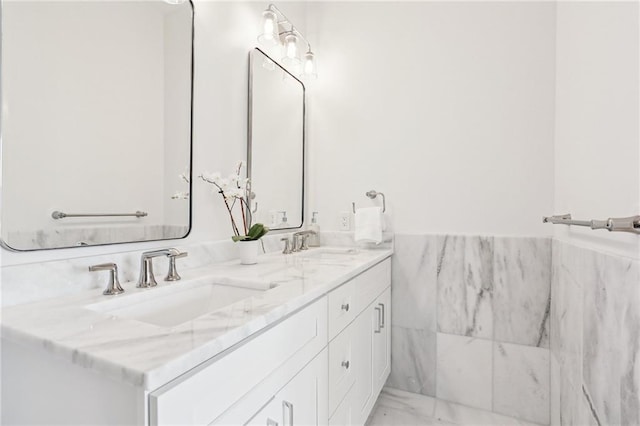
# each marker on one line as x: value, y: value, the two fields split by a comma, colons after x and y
x: 269, y: 415
x: 362, y: 393
x: 303, y: 401
x: 382, y: 340
x: 341, y: 373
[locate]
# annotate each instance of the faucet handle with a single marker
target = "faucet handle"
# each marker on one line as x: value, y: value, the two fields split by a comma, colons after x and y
x: 304, y: 245
x: 172, y: 275
x: 113, y: 287
x: 287, y: 245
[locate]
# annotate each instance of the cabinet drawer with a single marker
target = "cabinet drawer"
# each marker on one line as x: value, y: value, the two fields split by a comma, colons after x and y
x: 201, y: 395
x: 341, y: 377
x: 342, y: 306
x: 351, y: 298
x: 342, y: 415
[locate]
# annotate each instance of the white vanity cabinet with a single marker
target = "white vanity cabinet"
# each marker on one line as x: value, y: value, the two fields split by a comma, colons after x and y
x: 231, y: 388
x: 322, y: 364
x: 365, y: 344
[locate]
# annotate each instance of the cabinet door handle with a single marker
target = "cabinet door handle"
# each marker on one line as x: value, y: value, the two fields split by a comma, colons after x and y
x: 271, y: 422
x: 287, y: 406
x: 377, y: 308
x: 346, y: 364
x: 382, y: 307
x: 345, y: 307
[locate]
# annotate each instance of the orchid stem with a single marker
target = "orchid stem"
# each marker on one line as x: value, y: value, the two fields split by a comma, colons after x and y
x: 233, y: 222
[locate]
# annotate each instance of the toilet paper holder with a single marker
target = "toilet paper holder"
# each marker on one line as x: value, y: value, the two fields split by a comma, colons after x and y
x: 373, y: 194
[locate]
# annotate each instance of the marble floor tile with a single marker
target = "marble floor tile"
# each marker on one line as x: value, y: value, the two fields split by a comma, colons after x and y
x: 464, y: 366
x: 413, y: 360
x: 413, y: 294
x: 385, y: 416
x: 522, y: 290
x: 465, y: 286
x: 420, y: 405
x: 462, y: 415
x: 521, y: 382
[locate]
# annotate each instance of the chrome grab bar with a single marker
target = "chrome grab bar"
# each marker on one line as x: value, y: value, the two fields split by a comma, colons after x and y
x: 629, y: 224
x: 60, y: 215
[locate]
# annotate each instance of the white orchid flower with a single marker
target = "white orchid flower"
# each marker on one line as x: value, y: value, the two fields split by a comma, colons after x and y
x: 234, y: 193
x: 184, y: 177
x: 180, y: 196
x: 223, y: 183
x: 211, y: 177
x: 233, y: 179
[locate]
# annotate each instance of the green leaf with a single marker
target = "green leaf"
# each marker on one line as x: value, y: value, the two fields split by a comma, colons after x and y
x: 257, y: 231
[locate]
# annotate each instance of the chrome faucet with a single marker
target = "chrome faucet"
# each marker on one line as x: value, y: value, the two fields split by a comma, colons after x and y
x: 147, y: 279
x: 287, y: 245
x: 300, y: 240
x: 113, y: 287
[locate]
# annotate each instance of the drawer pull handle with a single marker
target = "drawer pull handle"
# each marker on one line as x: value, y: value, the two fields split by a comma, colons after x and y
x: 287, y: 406
x: 377, y: 308
x: 346, y: 364
x: 382, y: 315
x: 345, y: 307
x: 271, y: 422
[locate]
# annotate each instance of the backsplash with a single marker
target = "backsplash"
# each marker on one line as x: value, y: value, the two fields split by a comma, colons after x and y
x: 26, y: 283
x: 471, y: 321
x: 595, y: 338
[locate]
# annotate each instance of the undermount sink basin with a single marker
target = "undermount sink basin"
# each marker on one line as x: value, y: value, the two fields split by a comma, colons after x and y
x: 174, y: 304
x: 331, y: 254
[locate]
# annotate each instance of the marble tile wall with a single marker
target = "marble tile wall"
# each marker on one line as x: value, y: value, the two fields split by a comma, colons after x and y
x: 470, y: 321
x: 595, y: 338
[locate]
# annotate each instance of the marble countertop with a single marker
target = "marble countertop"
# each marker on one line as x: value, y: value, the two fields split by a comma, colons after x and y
x: 148, y: 355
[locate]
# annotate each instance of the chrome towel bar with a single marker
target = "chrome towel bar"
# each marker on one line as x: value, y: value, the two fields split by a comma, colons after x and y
x: 620, y: 224
x: 373, y: 194
x: 60, y: 215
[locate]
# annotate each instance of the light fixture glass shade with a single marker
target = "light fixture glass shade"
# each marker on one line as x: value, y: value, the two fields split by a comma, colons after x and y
x: 291, y: 50
x: 269, y: 35
x: 309, y: 69
x: 174, y: 1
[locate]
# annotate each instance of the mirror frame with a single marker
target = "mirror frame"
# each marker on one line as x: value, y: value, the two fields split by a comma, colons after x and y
x: 5, y: 246
x: 250, y: 134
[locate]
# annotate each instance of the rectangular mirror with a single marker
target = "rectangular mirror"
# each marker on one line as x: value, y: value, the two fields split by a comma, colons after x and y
x: 96, y: 122
x: 276, y: 143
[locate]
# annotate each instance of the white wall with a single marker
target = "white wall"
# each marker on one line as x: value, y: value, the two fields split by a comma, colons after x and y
x: 598, y: 119
x: 446, y: 107
x: 224, y: 34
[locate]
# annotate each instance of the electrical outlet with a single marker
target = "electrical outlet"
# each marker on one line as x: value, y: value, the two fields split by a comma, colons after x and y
x: 344, y: 221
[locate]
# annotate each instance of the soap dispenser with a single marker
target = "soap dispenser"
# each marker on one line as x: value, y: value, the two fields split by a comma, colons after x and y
x: 283, y: 223
x: 314, y: 240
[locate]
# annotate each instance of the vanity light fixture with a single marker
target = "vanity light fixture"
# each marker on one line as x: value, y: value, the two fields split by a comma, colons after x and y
x: 269, y: 35
x: 309, y: 65
x: 291, y: 49
x: 289, y: 39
